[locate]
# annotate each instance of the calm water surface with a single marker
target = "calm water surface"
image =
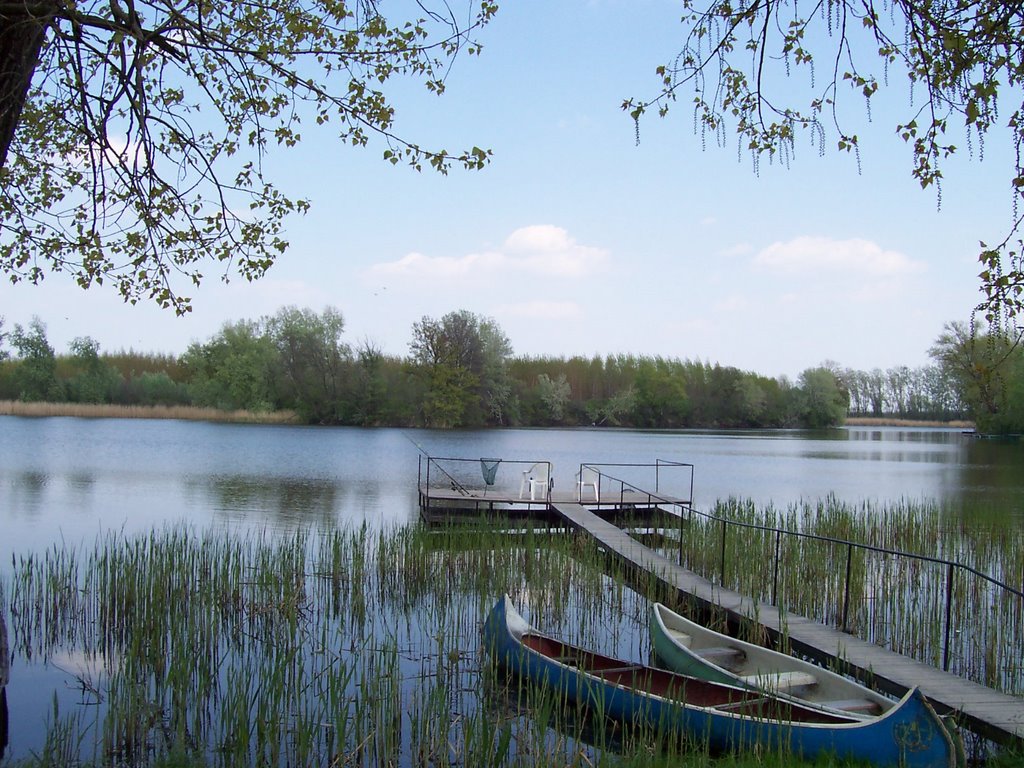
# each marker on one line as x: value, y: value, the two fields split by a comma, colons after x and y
x: 67, y: 478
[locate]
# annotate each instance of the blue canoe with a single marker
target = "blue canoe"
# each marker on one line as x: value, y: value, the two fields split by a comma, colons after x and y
x: 909, y: 734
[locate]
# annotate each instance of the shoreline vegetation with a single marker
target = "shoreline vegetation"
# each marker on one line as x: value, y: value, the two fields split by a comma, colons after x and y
x: 885, y: 421
x: 461, y: 372
x: 108, y: 411
x: 196, y: 413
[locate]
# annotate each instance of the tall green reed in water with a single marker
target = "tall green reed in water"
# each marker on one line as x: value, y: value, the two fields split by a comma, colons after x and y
x: 353, y: 646
x: 897, y: 602
x: 347, y: 647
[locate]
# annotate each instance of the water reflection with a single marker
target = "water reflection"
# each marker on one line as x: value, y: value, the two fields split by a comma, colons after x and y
x: 3, y: 722
x: 81, y: 482
x: 5, y: 674
x: 288, y: 501
x: 903, y: 435
x: 32, y: 481
x: 887, y: 454
x: 83, y: 476
x: 29, y: 490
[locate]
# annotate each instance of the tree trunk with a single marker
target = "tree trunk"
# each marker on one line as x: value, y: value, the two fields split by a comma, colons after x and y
x: 21, y: 39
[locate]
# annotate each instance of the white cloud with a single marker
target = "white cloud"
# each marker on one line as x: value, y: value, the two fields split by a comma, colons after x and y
x: 544, y: 310
x: 542, y: 238
x: 418, y: 265
x: 855, y: 257
x: 733, y: 303
x: 534, y: 250
x: 740, y: 249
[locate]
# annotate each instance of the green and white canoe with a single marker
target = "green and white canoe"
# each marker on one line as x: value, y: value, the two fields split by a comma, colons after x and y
x: 693, y: 649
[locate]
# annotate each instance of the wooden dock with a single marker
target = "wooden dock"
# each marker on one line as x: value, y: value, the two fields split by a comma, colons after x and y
x: 461, y: 505
x: 991, y: 714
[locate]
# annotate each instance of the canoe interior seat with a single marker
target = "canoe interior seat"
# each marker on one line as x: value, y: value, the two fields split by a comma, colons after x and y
x: 781, y: 681
x: 853, y: 705
x: 682, y: 638
x: 722, y: 655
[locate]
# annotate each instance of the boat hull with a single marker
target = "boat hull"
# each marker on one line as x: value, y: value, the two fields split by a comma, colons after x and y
x: 727, y: 717
x: 679, y: 644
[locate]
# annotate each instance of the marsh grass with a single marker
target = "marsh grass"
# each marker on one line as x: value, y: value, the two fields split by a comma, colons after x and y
x: 354, y: 647
x: 896, y: 602
x: 183, y: 412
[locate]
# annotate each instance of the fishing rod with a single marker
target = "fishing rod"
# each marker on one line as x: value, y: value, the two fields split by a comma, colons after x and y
x: 456, y: 485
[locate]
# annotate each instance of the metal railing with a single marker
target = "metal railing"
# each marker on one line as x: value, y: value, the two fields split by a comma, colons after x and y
x: 475, y: 477
x: 951, y: 567
x: 637, y: 493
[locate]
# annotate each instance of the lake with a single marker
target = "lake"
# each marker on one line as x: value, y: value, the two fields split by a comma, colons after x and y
x: 69, y: 481
x: 67, y: 478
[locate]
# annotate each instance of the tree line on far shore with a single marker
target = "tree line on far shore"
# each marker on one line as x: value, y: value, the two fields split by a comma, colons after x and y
x: 461, y: 372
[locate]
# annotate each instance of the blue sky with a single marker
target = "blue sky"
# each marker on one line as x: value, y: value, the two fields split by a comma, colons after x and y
x: 578, y: 241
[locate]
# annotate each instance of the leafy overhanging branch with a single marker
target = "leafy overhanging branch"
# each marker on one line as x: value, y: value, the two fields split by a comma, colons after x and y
x: 966, y: 55
x: 137, y: 155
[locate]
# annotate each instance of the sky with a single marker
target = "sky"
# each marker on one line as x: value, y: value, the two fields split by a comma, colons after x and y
x: 577, y: 240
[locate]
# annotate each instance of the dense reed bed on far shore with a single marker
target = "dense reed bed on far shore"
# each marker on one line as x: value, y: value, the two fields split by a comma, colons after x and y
x: 353, y: 647
x: 890, y: 421
x: 183, y: 412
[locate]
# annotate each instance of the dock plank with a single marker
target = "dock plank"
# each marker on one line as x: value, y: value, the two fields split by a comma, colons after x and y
x: 992, y: 714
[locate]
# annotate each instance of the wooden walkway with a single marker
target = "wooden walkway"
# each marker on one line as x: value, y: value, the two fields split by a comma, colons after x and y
x: 991, y: 714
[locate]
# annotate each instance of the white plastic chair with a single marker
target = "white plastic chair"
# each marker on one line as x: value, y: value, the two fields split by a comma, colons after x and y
x: 588, y: 477
x: 536, y: 480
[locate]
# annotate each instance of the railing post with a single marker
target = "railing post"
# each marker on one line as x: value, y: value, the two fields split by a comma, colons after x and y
x: 428, y: 482
x: 775, y: 575
x: 680, y: 536
x: 846, y: 595
x: 724, y: 524
x: 949, y: 611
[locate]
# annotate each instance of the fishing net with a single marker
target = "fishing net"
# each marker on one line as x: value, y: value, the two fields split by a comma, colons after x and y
x: 489, y: 469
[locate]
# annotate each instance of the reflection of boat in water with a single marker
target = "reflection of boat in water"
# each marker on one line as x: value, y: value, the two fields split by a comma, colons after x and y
x: 731, y: 718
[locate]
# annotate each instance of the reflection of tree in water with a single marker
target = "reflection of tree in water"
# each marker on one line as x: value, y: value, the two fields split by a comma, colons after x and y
x: 3, y: 722
x: 5, y: 675
x: 29, y: 489
x: 287, y: 500
x: 991, y: 472
x: 81, y: 481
